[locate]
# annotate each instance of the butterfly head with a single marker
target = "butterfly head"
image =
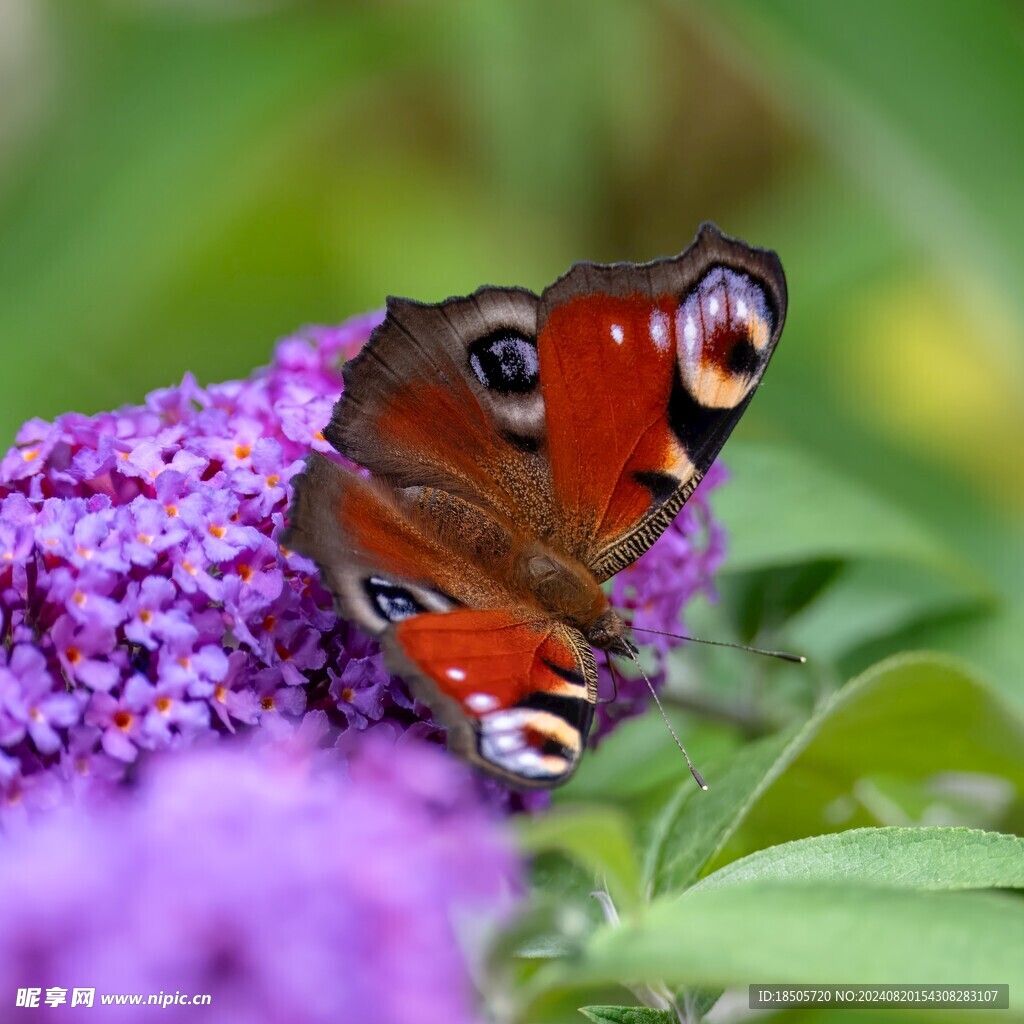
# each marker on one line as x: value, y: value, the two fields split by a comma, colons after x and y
x: 610, y: 633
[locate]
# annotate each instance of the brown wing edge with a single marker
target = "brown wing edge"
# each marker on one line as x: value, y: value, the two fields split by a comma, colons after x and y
x: 668, y: 274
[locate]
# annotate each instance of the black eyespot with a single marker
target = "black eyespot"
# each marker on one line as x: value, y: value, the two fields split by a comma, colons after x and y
x: 744, y: 360
x: 505, y: 361
x: 393, y: 603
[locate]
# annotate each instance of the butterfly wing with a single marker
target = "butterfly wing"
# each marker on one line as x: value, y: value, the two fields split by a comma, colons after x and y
x: 515, y: 688
x: 447, y: 396
x: 646, y: 370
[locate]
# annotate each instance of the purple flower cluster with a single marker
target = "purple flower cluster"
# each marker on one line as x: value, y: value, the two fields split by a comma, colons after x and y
x: 287, y: 886
x: 145, y: 599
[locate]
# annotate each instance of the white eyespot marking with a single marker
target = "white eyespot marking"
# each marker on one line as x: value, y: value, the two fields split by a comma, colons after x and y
x: 690, y: 336
x: 393, y: 603
x: 659, y: 328
x: 617, y: 333
x: 528, y: 761
x: 481, y: 702
x: 457, y: 674
x: 726, y: 324
x: 504, y: 742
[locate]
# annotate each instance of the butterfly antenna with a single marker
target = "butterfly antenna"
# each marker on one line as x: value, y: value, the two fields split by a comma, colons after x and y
x: 615, y: 681
x: 650, y: 686
x: 799, y: 659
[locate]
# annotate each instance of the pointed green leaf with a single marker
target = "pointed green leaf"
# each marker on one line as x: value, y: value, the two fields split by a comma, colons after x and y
x: 917, y: 858
x: 695, y: 823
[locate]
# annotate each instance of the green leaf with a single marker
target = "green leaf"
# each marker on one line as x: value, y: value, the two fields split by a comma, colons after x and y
x: 782, y: 507
x: 916, y: 858
x: 599, y: 838
x: 805, y: 932
x: 912, y: 716
x: 628, y: 1015
x: 695, y: 823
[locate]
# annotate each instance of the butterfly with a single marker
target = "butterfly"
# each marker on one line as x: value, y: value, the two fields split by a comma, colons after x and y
x: 517, y: 451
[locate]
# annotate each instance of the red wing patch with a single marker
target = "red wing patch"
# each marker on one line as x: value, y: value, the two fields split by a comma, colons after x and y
x: 607, y: 365
x: 525, y: 689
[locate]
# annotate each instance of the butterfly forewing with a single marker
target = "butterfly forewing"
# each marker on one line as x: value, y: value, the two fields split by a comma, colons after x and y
x: 448, y: 396
x: 645, y: 371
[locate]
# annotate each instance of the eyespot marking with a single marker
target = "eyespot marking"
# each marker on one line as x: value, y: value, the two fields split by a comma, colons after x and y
x: 530, y: 743
x: 725, y: 322
x: 505, y: 361
x: 392, y: 603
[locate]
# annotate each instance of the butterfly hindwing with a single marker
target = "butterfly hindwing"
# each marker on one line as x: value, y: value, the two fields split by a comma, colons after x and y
x: 515, y: 688
x: 645, y: 371
x: 517, y: 692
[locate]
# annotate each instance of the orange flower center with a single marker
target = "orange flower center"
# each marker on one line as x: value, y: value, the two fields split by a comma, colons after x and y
x: 217, y: 531
x: 74, y: 655
x: 123, y: 720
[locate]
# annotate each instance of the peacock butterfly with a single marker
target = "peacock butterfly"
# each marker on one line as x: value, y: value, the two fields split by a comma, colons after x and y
x: 522, y: 449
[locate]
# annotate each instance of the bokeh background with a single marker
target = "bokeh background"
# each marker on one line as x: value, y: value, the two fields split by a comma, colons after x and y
x: 184, y: 181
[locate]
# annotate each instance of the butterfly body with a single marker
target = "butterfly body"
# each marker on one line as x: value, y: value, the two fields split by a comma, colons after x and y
x: 522, y: 449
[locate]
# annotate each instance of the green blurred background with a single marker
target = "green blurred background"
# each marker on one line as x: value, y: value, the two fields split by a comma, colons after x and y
x: 184, y: 181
